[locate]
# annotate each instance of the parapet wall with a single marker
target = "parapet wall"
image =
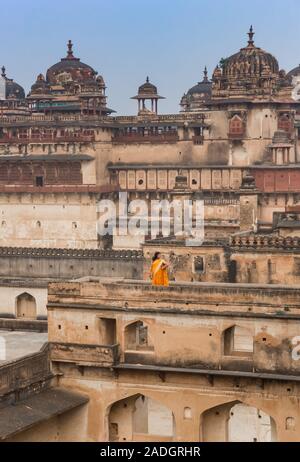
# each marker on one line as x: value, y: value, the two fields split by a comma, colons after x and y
x: 181, y: 326
x: 24, y: 376
x: 178, y: 297
x: 69, y: 263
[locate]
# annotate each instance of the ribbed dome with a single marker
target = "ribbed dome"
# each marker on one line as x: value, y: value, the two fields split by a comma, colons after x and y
x: 250, y: 61
x: 202, y: 88
x: 250, y: 73
x: 70, y: 85
x: 147, y: 88
x: 13, y: 89
x: 70, y: 65
x: 197, y: 96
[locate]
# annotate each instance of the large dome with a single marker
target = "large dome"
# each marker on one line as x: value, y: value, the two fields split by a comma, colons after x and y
x: 250, y: 61
x: 294, y: 72
x: 12, y: 89
x: 69, y: 69
x: 202, y: 88
x: 70, y: 86
x: 198, y: 95
x: 250, y: 73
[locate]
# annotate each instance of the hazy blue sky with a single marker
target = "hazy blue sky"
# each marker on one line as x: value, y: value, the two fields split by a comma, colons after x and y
x: 126, y: 40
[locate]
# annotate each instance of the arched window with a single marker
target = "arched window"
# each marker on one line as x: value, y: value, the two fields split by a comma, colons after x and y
x: 26, y: 306
x: 137, y: 337
x: 238, y: 341
x: 236, y: 126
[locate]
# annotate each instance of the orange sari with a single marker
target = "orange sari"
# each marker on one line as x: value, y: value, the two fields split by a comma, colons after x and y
x: 159, y: 275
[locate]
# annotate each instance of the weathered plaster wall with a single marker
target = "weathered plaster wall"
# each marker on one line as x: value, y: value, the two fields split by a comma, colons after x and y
x: 48, y: 220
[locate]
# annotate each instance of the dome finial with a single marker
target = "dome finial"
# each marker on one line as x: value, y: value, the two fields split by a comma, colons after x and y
x: 251, y: 35
x: 70, y: 49
x: 205, y: 75
x: 3, y: 71
x: 147, y: 79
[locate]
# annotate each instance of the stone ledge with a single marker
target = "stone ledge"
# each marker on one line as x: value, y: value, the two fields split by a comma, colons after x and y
x: 33, y: 325
x: 208, y: 372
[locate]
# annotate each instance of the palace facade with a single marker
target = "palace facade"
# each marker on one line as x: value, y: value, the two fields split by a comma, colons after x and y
x: 210, y: 358
x: 61, y: 150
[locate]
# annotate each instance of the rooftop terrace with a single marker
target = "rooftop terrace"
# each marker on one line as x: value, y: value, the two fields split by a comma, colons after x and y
x: 19, y: 344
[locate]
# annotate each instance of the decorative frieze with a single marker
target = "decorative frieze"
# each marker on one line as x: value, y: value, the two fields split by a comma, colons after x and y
x: 163, y: 177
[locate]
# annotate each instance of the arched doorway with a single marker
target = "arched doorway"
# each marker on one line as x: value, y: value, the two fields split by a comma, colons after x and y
x: 237, y: 422
x: 137, y: 337
x: 26, y: 306
x: 140, y: 418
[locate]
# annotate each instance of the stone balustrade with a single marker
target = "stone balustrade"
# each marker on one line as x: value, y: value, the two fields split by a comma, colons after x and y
x: 265, y: 241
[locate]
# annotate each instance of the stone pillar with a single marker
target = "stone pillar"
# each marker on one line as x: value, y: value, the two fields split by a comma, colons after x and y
x: 187, y: 429
x: 248, y: 212
x: 248, y: 204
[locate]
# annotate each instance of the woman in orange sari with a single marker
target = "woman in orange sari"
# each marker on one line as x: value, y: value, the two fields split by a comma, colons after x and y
x: 158, y: 272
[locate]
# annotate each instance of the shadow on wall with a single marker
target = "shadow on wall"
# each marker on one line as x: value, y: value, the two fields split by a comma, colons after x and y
x: 237, y: 422
x: 218, y: 153
x: 139, y: 418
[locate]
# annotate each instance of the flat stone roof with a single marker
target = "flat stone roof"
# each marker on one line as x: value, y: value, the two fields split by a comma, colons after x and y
x: 19, y: 344
x: 25, y: 414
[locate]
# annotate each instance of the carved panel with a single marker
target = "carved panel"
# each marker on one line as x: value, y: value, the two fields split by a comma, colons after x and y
x: 194, y: 179
x: 205, y: 179
x: 151, y: 179
x: 162, y: 179
x: 216, y: 179
x: 225, y: 179
x: 140, y: 179
x: 235, y: 179
x: 123, y: 179
x: 172, y: 175
x: 131, y: 179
